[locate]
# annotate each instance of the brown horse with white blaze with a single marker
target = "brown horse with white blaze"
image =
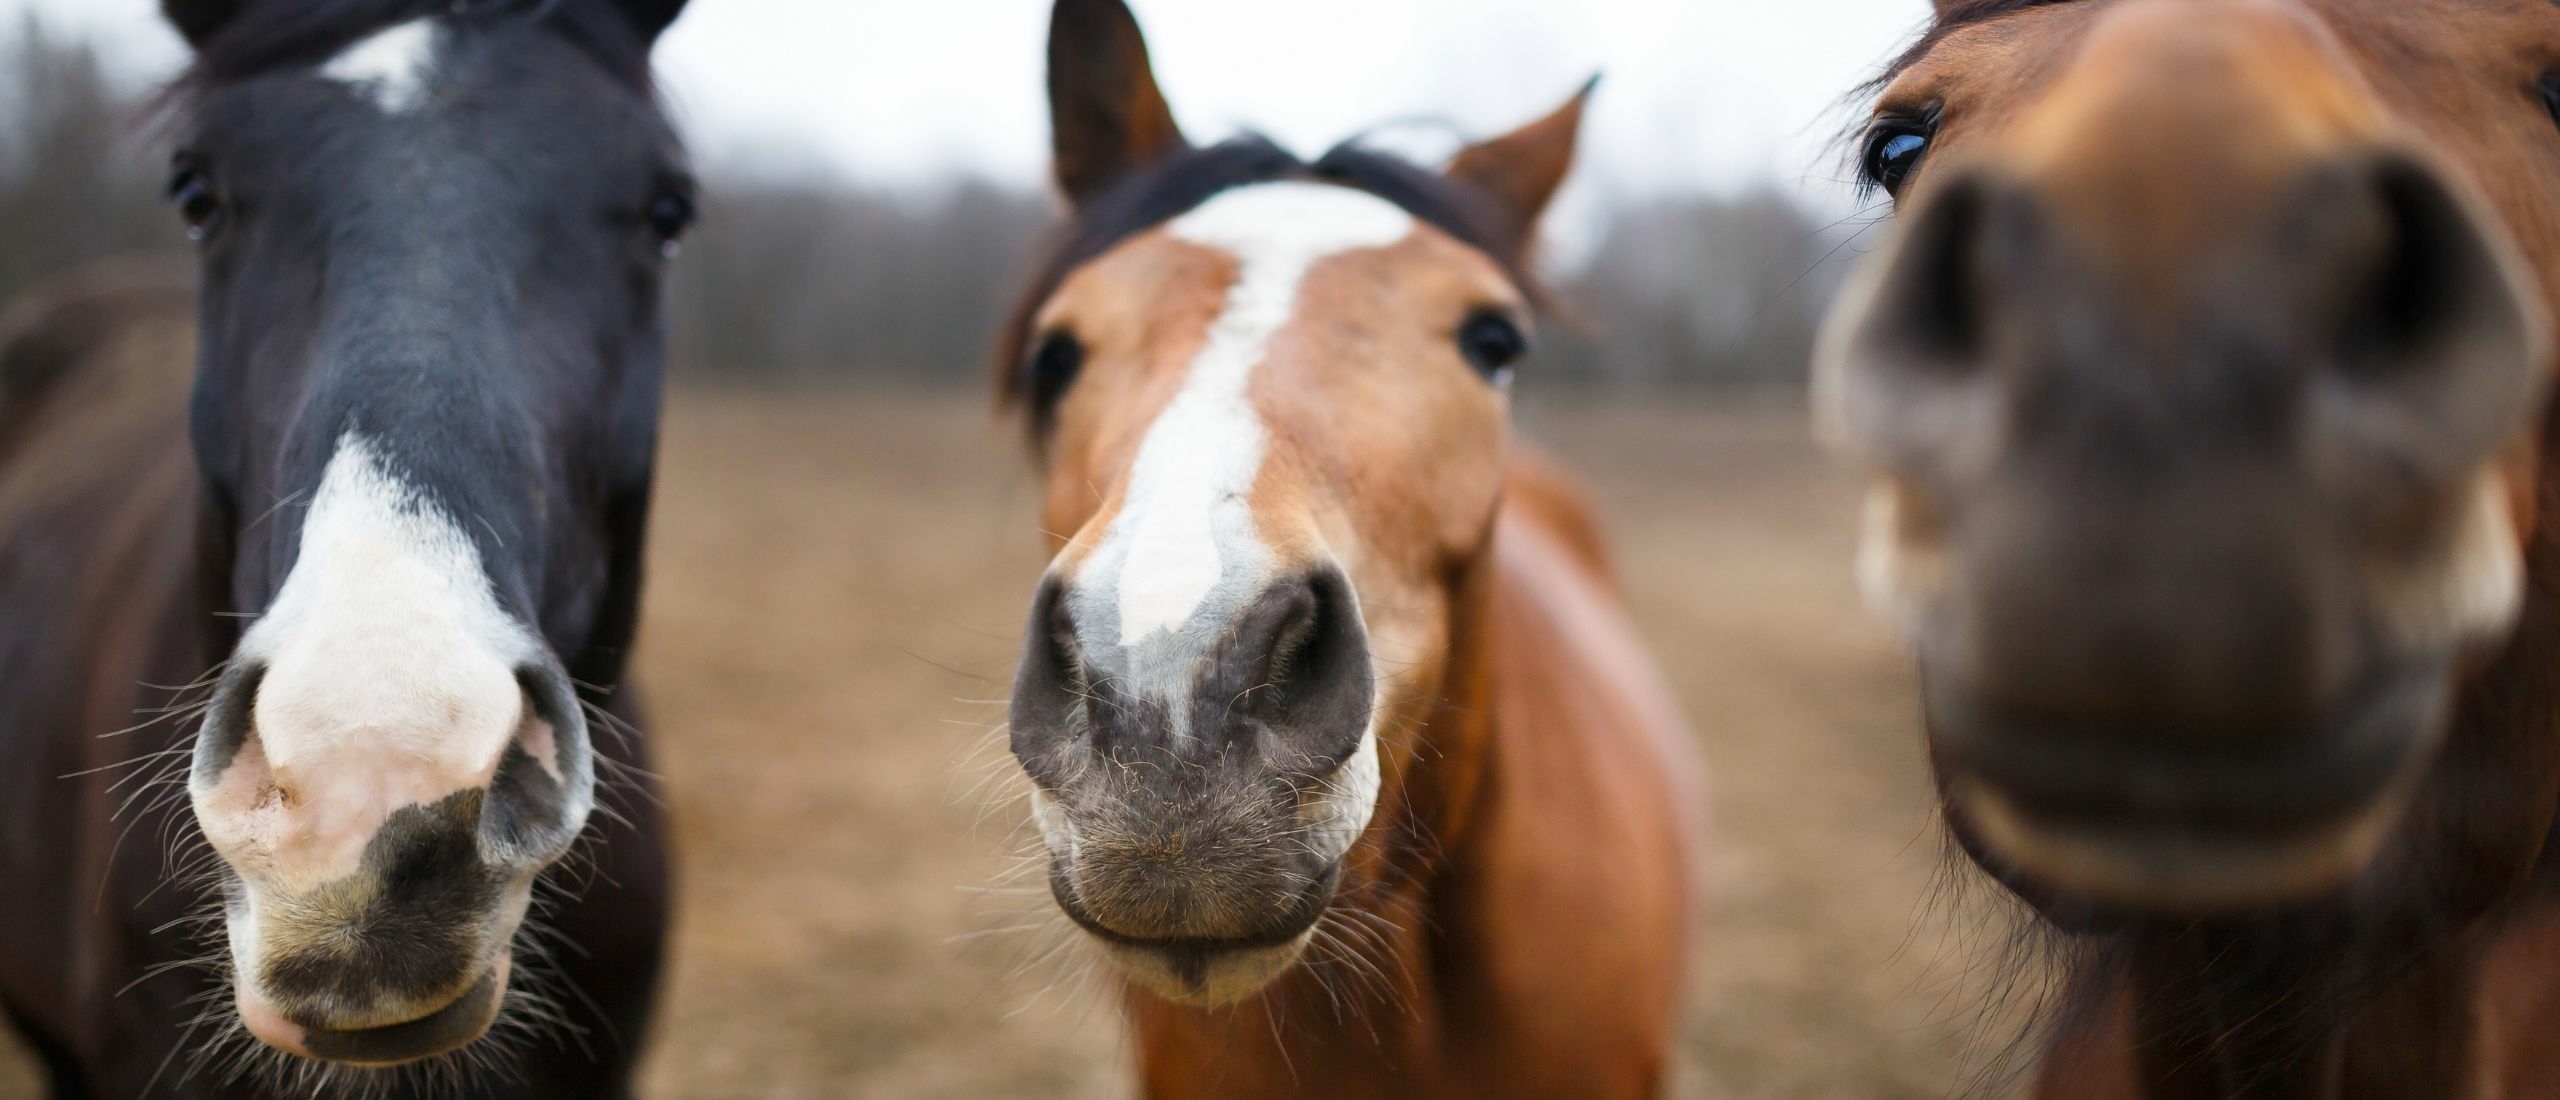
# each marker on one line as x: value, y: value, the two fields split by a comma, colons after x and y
x: 2204, y: 386
x: 1344, y: 750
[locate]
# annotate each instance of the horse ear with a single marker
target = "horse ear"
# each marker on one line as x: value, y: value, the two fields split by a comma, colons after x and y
x: 1107, y: 118
x: 1521, y: 170
x: 199, y: 20
x: 650, y: 17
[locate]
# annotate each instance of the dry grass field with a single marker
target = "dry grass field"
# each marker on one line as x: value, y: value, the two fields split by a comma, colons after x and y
x: 839, y: 578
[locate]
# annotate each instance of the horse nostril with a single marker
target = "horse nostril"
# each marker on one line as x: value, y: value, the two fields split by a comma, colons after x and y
x: 2432, y: 337
x: 1934, y: 304
x: 2422, y: 287
x: 1910, y: 361
x: 1049, y: 686
x: 1932, y: 315
x: 1299, y: 666
x: 229, y: 722
x: 544, y: 784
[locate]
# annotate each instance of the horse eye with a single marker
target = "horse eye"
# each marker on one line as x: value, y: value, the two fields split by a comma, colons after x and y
x: 2551, y: 94
x: 1490, y: 343
x: 1893, y: 151
x: 1051, y: 371
x: 196, y: 200
x: 670, y: 214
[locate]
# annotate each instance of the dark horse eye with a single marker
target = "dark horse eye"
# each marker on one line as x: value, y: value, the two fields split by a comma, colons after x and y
x: 1051, y: 371
x: 1491, y: 343
x: 670, y: 214
x: 1893, y: 151
x: 196, y: 201
x: 2551, y: 94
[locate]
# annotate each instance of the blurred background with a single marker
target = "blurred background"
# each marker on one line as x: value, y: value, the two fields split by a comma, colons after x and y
x: 845, y: 539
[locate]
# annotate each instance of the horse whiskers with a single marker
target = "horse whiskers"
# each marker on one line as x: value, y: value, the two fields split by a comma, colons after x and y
x: 1044, y: 940
x: 1075, y: 972
x: 128, y: 762
x: 2025, y: 975
x: 176, y: 707
x: 623, y: 731
x: 1357, y: 941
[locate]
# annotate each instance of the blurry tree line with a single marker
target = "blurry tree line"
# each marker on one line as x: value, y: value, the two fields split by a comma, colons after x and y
x: 77, y: 176
x: 821, y: 280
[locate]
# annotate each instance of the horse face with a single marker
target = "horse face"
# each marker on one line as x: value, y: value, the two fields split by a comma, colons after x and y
x: 2199, y: 385
x: 1273, y: 449
x: 1274, y: 422
x: 425, y: 413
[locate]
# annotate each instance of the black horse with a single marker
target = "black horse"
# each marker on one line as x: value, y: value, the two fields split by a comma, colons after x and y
x: 384, y: 564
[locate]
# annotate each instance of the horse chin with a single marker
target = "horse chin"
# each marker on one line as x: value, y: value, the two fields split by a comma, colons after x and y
x: 454, y: 1025
x: 1204, y: 971
x: 2183, y: 825
x: 1204, y: 976
x: 2154, y: 870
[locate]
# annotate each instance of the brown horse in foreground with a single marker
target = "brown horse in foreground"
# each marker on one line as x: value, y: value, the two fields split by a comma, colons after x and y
x: 1344, y: 749
x: 2204, y: 386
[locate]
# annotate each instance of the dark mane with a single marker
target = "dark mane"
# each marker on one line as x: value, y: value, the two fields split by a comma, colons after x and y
x: 1183, y: 180
x: 275, y: 34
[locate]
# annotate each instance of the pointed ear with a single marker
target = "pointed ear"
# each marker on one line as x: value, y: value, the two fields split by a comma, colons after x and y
x: 199, y: 20
x: 1106, y: 116
x: 650, y: 17
x: 1521, y: 170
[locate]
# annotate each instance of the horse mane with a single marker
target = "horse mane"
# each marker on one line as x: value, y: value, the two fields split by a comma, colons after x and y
x: 1180, y: 181
x: 277, y: 34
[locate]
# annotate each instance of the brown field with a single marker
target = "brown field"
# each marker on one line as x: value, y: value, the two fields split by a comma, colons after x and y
x: 838, y: 583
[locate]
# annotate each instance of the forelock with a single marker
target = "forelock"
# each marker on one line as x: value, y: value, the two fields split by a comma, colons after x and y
x: 276, y: 34
x: 1186, y: 179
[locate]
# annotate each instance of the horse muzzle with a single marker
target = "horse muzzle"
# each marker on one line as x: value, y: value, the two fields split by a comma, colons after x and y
x: 373, y: 893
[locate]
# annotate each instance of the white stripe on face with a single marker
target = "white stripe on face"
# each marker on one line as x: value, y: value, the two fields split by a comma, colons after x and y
x: 390, y: 67
x: 390, y: 680
x: 1185, y: 529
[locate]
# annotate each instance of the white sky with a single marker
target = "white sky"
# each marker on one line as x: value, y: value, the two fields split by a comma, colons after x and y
x: 1721, y: 94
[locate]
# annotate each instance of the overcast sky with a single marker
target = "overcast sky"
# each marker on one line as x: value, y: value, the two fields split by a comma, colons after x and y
x: 1725, y: 94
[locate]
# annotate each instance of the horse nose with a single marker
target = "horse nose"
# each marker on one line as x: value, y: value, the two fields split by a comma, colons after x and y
x: 298, y: 770
x: 1280, y: 677
x: 1198, y: 783
x: 2107, y: 503
x: 383, y: 833
x: 2372, y: 288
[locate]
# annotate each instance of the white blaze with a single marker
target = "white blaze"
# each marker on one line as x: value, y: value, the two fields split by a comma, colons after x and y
x: 1185, y: 518
x: 391, y: 677
x: 390, y: 67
